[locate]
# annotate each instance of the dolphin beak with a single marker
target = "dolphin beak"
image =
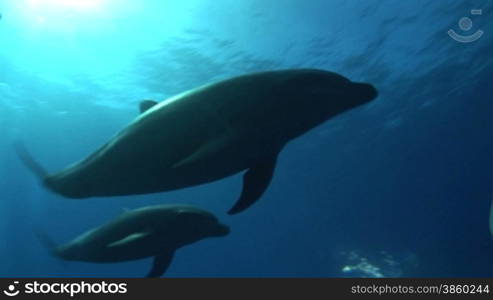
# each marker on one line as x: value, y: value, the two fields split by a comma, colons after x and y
x: 222, y: 230
x: 364, y: 91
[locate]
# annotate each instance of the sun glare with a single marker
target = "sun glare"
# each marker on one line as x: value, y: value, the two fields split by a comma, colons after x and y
x: 63, y: 15
x: 78, y: 5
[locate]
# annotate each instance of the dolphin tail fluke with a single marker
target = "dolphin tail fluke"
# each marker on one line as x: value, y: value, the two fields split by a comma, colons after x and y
x: 50, y: 245
x: 28, y: 160
x: 46, y: 240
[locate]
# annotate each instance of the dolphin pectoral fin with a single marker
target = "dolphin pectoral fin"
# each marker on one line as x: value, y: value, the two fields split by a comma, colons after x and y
x: 189, y: 159
x: 255, y: 182
x: 205, y: 150
x: 129, y: 239
x: 146, y: 105
x: 161, y: 264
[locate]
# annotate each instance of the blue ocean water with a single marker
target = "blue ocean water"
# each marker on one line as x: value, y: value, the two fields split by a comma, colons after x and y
x: 399, y: 187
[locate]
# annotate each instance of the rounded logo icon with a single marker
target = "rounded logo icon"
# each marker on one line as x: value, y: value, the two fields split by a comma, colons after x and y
x: 465, y: 24
x: 11, y: 291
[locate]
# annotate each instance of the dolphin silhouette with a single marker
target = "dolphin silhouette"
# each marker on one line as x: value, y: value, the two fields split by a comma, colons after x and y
x: 209, y: 133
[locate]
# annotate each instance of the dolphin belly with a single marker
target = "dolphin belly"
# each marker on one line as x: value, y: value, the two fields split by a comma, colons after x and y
x: 155, y: 156
x: 132, y: 179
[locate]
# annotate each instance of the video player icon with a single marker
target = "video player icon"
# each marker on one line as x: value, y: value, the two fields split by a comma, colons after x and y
x: 11, y: 291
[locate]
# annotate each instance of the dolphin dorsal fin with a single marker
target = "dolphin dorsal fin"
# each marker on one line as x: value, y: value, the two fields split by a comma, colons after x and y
x: 145, y: 105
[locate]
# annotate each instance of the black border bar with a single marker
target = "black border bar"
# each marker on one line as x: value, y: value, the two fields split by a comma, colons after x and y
x: 244, y: 288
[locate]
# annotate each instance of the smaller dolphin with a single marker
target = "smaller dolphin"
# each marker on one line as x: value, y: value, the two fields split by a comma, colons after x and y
x: 152, y: 231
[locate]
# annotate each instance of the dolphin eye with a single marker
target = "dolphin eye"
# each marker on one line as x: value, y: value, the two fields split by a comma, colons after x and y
x: 210, y: 220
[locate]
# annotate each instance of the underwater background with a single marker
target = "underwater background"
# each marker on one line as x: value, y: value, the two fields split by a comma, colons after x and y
x: 399, y: 187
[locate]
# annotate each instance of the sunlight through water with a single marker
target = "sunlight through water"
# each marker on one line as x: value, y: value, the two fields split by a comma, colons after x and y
x: 64, y: 37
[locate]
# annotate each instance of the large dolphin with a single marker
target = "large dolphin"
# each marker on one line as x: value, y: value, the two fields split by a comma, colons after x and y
x: 152, y: 231
x: 210, y: 133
